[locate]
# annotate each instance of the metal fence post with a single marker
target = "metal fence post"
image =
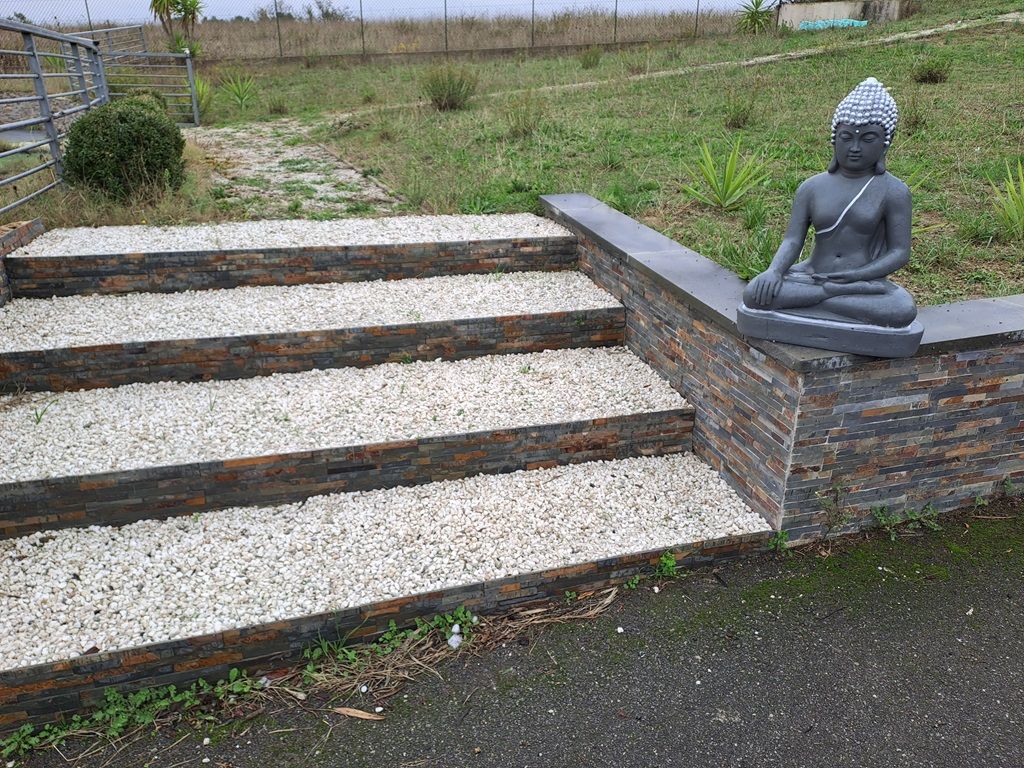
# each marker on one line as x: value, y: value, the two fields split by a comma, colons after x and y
x: 533, y: 23
x: 192, y: 88
x: 99, y: 77
x: 88, y: 16
x: 80, y: 72
x: 615, y: 23
x: 44, y: 103
x: 277, y: 18
x: 445, y: 27
x: 696, y: 19
x: 362, y: 28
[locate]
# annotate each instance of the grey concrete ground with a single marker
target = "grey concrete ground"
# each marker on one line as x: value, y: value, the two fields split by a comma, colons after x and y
x: 882, y: 654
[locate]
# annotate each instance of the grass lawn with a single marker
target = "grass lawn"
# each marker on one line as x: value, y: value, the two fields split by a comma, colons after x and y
x: 631, y: 143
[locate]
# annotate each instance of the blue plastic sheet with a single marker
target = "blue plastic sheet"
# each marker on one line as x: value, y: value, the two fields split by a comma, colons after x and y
x: 831, y: 23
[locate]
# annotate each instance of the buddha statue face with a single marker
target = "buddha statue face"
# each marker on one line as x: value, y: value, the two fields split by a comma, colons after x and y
x: 859, y: 149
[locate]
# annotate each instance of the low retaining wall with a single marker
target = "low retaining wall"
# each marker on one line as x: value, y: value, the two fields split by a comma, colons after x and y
x: 37, y: 277
x: 791, y: 14
x: 13, y: 237
x: 45, y: 691
x: 785, y: 423
x: 235, y: 357
x: 116, y: 498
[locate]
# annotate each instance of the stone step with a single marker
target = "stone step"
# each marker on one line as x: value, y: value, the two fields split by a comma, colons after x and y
x: 66, y: 262
x: 113, y: 456
x: 167, y: 602
x: 84, y: 342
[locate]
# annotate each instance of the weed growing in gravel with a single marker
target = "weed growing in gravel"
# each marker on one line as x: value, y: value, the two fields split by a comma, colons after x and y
x: 570, y: 596
x: 632, y: 583
x: 38, y: 413
x: 1009, y: 487
x: 666, y: 567
x: 926, y: 518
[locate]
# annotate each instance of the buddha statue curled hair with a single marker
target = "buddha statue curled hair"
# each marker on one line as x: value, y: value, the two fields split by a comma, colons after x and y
x: 867, y: 104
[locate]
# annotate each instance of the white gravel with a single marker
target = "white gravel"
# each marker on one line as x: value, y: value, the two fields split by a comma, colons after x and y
x: 75, y: 321
x: 87, y: 241
x: 49, y: 434
x: 68, y: 591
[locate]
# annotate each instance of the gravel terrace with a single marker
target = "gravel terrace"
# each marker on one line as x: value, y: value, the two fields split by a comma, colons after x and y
x: 289, y: 233
x: 76, y: 321
x: 138, y: 425
x: 107, y: 588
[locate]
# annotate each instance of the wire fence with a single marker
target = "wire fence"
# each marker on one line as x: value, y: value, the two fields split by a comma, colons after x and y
x: 259, y: 29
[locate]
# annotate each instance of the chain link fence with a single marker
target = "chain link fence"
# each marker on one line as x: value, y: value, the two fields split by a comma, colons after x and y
x: 260, y: 29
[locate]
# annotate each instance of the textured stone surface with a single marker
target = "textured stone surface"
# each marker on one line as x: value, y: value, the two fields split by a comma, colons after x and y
x: 42, y: 692
x: 42, y: 276
x: 12, y: 237
x: 785, y: 423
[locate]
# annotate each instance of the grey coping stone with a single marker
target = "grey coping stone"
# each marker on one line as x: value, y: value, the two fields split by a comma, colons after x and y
x: 716, y: 293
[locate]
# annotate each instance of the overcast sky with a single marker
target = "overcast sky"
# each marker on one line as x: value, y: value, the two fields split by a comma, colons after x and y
x: 133, y: 11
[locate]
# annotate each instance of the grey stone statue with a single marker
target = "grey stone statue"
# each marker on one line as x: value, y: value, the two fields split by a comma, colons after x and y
x: 839, y: 299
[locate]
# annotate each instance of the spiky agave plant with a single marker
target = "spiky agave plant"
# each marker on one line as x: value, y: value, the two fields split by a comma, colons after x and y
x: 755, y: 17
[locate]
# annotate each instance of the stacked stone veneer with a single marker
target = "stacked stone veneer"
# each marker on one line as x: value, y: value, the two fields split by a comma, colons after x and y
x: 12, y: 237
x: 235, y: 357
x: 42, y: 276
x: 115, y: 498
x: 784, y: 423
x: 40, y: 692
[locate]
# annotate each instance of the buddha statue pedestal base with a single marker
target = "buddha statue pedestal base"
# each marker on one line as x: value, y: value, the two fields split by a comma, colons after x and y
x: 835, y: 335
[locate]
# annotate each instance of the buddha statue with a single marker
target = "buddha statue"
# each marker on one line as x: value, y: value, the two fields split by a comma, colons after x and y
x: 839, y: 298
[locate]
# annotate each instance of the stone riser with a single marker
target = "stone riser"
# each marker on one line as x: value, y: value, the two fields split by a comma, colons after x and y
x: 39, y: 277
x: 42, y: 692
x: 116, y: 498
x: 236, y: 357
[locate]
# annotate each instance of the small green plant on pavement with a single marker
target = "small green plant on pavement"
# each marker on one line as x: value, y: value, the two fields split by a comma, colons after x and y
x: 778, y: 543
x: 831, y: 503
x: 886, y: 520
x: 666, y: 567
x: 725, y: 186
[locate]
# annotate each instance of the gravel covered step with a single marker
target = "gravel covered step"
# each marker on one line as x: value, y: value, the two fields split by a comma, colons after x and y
x: 79, y: 591
x: 83, y: 342
x: 65, y: 262
x: 110, y: 456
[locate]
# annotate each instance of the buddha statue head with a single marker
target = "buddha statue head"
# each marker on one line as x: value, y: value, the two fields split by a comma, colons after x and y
x: 862, y: 129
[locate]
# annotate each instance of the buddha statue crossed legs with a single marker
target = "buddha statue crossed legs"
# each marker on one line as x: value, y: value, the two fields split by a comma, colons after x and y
x: 839, y: 298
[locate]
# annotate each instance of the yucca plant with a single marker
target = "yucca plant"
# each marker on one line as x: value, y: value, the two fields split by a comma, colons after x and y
x: 241, y: 90
x: 755, y: 17
x: 725, y: 188
x: 1009, y: 202
x: 204, y: 96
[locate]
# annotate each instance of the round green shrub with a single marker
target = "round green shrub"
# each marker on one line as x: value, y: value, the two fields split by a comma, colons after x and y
x: 127, y: 148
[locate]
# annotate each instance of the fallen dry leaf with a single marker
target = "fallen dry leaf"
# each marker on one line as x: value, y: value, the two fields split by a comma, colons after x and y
x: 358, y: 713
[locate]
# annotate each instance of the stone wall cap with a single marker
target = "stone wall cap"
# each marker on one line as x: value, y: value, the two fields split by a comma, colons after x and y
x: 716, y: 293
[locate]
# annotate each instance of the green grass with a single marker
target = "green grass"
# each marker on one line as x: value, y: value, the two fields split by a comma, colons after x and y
x: 653, y: 129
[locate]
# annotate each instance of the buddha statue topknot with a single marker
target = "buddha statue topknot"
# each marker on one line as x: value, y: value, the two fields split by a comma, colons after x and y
x: 839, y: 298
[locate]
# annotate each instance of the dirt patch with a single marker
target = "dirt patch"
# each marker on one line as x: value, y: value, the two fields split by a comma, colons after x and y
x: 274, y: 170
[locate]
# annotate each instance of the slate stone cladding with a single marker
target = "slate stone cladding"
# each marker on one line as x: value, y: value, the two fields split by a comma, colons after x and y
x: 938, y: 429
x: 37, y: 277
x: 12, y: 237
x: 42, y: 692
x: 744, y: 403
x: 784, y: 423
x: 235, y: 357
x: 116, y: 498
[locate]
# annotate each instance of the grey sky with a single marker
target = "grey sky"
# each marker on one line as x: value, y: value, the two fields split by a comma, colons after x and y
x: 44, y: 12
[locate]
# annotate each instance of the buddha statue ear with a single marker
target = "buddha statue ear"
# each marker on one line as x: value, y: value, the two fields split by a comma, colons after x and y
x: 880, y: 165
